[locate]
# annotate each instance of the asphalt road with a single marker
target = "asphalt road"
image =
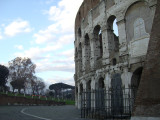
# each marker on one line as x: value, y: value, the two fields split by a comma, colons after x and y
x: 39, y: 113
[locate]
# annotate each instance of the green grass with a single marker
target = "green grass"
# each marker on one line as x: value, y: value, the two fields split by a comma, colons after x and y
x: 68, y: 102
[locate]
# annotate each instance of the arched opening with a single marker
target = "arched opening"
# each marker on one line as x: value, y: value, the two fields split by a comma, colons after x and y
x: 76, y: 53
x: 98, y: 42
x: 114, y: 61
x: 100, y: 101
x: 79, y: 33
x: 135, y: 80
x: 101, y: 83
x: 76, y: 91
x: 76, y: 58
x: 117, y: 94
x: 80, y: 58
x: 136, y: 11
x: 87, y: 52
x: 81, y: 96
x: 88, y: 95
x: 89, y: 85
x: 81, y: 89
x: 113, y: 35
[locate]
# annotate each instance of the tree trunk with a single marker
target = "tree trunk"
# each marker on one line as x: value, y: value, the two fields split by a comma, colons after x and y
x: 19, y: 91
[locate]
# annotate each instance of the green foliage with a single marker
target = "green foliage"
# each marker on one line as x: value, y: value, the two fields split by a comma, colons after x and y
x: 4, y: 72
x: 70, y: 102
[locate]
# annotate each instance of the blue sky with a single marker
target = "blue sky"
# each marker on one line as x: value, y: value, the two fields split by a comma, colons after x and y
x: 42, y: 30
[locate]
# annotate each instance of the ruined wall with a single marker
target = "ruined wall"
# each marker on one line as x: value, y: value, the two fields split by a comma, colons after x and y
x: 107, y: 56
x: 86, y: 6
x: 148, y: 98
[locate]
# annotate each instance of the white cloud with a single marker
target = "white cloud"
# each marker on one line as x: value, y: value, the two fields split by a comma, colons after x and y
x: 43, y: 67
x: 64, y: 14
x: 63, y: 17
x: 69, y: 53
x: 1, y: 37
x: 20, y: 47
x: 16, y: 27
x: 55, y: 38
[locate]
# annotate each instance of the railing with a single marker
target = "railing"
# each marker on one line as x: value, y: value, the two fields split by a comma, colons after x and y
x: 114, y: 103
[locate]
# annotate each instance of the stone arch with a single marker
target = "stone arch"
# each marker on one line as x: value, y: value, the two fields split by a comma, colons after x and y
x: 79, y: 32
x: 117, y: 94
x: 80, y: 58
x: 100, y: 93
x: 98, y: 42
x: 76, y: 53
x: 114, y: 61
x: 113, y: 39
x: 81, y: 88
x: 76, y: 59
x: 88, y: 94
x: 88, y: 87
x: 101, y: 84
x: 135, y: 80
x: 87, y: 53
x: 138, y: 9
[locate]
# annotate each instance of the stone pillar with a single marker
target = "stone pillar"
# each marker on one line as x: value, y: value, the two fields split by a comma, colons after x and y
x: 93, y: 92
x: 107, y: 80
x: 122, y: 37
x: 105, y: 45
x: 83, y: 56
x: 92, y: 59
x: 147, y: 104
x: 79, y: 97
x: 126, y: 77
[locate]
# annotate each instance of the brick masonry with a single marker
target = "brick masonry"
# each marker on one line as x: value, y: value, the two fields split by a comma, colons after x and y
x: 148, y: 97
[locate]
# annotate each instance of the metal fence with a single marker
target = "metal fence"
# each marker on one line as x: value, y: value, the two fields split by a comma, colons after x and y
x: 114, y: 103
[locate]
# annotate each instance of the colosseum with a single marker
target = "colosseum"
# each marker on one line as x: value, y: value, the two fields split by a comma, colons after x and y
x: 108, y: 65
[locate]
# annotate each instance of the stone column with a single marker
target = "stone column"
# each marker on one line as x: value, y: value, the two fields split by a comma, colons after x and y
x: 122, y: 37
x: 126, y: 77
x: 92, y: 59
x: 83, y: 56
x: 79, y: 97
x: 93, y: 92
x: 105, y: 44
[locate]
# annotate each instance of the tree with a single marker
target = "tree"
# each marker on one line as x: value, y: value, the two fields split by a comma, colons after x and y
x: 21, y: 72
x: 37, y: 85
x: 19, y: 84
x: 58, y: 87
x: 4, y: 72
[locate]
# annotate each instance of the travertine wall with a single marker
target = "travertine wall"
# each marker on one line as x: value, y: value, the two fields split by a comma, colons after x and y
x: 100, y: 55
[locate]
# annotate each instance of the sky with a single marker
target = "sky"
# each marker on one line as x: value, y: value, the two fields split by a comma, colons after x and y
x: 42, y: 30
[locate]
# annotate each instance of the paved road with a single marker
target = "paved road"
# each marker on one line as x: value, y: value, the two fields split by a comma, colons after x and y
x: 39, y: 113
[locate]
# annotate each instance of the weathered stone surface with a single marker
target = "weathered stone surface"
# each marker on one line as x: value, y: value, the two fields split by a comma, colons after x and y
x: 148, y: 96
x: 99, y: 53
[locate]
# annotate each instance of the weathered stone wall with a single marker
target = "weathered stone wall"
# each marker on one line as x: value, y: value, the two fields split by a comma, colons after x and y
x: 106, y: 55
x: 148, y: 96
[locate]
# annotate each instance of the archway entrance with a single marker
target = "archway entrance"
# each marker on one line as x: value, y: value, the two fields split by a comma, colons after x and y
x: 88, y: 95
x: 98, y: 42
x: 99, y: 94
x: 116, y: 94
x: 135, y: 80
